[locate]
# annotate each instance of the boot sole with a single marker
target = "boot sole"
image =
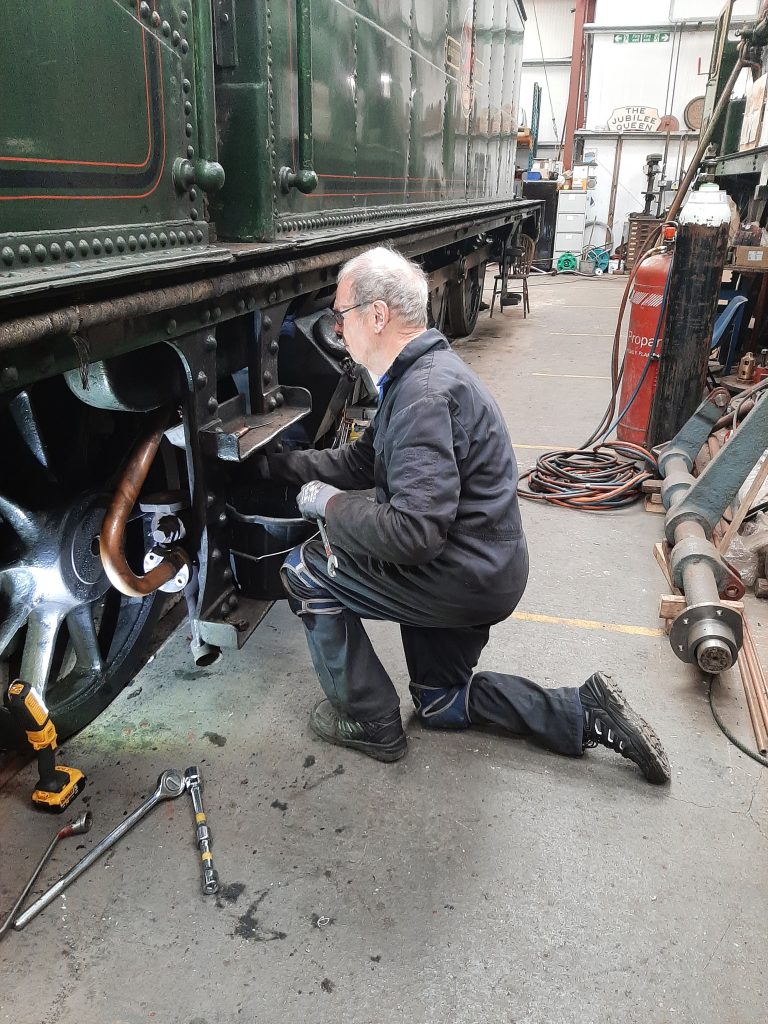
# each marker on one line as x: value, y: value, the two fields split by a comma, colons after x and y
x: 378, y: 752
x: 657, y: 770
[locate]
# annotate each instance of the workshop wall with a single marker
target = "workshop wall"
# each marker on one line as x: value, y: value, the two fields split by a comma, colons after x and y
x: 661, y: 69
x: 547, y: 61
x: 662, y: 75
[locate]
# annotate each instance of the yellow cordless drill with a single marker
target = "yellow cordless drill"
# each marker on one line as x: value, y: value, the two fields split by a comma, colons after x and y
x: 58, y: 785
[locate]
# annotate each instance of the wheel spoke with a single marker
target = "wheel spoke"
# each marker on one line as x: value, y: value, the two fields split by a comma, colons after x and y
x: 85, y: 639
x: 40, y: 646
x: 16, y: 587
x: 25, y: 418
x: 11, y: 625
x: 21, y: 520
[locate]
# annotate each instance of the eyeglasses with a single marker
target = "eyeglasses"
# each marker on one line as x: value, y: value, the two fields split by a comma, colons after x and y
x: 339, y: 314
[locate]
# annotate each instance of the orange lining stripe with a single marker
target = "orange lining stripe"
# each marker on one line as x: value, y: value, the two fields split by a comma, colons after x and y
x: 98, y: 163
x: 143, y: 195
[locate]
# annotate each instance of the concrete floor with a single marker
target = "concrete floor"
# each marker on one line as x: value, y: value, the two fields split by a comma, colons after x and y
x: 480, y: 879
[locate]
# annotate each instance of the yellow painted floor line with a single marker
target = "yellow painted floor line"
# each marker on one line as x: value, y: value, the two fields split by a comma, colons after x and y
x: 609, y: 627
x: 573, y: 376
x: 543, y: 447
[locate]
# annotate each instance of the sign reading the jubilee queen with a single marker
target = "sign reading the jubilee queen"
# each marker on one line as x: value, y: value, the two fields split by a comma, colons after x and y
x: 634, y: 119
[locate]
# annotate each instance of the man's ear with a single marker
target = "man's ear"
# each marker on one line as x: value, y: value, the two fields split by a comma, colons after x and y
x: 380, y: 315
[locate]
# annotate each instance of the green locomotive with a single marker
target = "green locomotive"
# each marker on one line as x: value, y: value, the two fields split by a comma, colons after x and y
x: 180, y: 181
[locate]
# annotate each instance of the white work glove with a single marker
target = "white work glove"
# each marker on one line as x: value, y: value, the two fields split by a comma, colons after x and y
x: 313, y: 497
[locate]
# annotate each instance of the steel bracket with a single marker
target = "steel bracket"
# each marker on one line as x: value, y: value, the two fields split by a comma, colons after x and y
x: 225, y: 34
x: 216, y: 603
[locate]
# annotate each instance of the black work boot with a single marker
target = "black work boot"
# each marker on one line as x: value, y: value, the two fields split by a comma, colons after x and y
x: 611, y: 722
x: 384, y: 740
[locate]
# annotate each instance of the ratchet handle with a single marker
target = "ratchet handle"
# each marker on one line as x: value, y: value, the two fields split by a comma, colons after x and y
x: 170, y: 785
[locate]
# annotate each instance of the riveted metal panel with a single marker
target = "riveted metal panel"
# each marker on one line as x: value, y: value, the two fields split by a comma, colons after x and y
x: 428, y: 178
x: 245, y: 102
x: 384, y: 72
x: 414, y: 102
x: 104, y: 99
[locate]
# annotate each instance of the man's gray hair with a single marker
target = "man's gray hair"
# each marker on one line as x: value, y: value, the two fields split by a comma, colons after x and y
x: 384, y: 274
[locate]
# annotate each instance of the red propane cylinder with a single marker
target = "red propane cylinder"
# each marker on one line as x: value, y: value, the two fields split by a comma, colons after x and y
x: 645, y: 302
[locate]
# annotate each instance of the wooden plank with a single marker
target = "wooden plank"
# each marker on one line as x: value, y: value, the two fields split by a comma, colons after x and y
x: 671, y: 605
x: 661, y: 554
x: 654, y: 505
x: 744, y: 507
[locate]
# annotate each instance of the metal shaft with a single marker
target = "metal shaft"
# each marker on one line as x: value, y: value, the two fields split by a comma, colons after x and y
x: 203, y: 838
x: 170, y: 785
x: 75, y: 828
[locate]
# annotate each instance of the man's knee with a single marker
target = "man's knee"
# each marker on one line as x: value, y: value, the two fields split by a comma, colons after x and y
x: 298, y: 580
x: 440, y: 707
x: 306, y: 593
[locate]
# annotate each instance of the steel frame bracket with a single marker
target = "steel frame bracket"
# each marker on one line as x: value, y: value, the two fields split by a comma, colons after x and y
x: 225, y: 34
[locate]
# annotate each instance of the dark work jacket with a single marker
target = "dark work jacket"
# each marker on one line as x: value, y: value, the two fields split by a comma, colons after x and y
x: 446, y: 514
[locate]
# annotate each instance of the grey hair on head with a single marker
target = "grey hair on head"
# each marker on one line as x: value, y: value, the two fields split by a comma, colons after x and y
x: 381, y: 273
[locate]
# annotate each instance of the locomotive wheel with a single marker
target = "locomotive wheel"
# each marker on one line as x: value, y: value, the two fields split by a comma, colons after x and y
x: 464, y: 298
x: 63, y: 627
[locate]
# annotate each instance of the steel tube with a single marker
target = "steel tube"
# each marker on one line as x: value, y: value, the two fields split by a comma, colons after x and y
x: 304, y: 178
x: 756, y: 672
x: 727, y: 420
x: 209, y: 174
x: 304, y: 47
x: 112, y: 537
x: 615, y: 180
x: 78, y: 827
x: 699, y: 583
x: 577, y: 64
x: 704, y: 141
x: 758, y: 727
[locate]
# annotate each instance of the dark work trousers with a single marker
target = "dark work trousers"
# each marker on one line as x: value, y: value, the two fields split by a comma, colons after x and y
x: 440, y: 657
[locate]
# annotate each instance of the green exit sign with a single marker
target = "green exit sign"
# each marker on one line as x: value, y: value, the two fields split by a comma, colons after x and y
x: 641, y: 37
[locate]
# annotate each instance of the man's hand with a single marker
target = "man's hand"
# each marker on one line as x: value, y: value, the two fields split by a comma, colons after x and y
x: 313, y: 497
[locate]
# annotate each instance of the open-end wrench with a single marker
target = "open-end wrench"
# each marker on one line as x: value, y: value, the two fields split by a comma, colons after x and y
x: 203, y: 839
x: 333, y: 562
x: 170, y: 785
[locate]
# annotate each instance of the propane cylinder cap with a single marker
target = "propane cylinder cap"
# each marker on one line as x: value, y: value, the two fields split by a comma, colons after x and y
x: 669, y: 232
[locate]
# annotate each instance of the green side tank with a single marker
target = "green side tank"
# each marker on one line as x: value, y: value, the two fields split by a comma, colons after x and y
x: 315, y: 114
